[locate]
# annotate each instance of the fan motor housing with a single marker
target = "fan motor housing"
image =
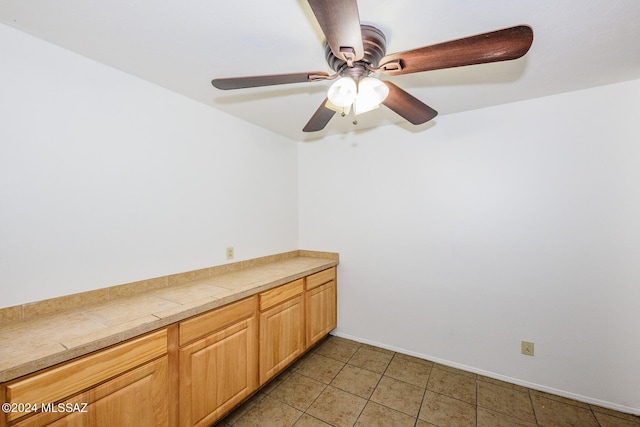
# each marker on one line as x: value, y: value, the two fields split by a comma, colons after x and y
x: 375, y: 47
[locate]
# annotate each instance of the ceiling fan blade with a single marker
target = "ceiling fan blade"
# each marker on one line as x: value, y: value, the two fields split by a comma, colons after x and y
x: 340, y: 23
x: 319, y: 119
x: 408, y: 106
x: 501, y: 45
x: 268, y: 80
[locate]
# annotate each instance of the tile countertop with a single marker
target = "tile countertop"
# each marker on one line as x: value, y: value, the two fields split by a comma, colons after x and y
x: 34, y: 344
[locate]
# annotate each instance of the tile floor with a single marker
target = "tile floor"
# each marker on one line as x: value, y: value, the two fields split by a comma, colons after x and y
x: 345, y: 383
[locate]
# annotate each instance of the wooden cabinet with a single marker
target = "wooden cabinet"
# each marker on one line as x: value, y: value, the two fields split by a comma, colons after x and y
x: 217, y: 361
x: 136, y: 398
x: 281, y: 328
x: 190, y: 373
x: 124, y: 385
x: 320, y: 305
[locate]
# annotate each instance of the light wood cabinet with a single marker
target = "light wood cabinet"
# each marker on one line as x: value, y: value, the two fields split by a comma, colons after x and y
x: 136, y: 398
x: 190, y: 373
x: 320, y: 305
x: 218, y: 362
x: 281, y: 328
x: 123, y: 385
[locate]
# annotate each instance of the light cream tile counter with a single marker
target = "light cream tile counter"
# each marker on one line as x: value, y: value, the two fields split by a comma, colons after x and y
x: 48, y: 337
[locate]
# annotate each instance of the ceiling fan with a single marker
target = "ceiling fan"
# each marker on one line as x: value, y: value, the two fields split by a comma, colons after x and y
x: 356, y: 51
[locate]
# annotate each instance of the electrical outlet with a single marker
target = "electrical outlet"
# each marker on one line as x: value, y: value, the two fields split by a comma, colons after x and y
x: 526, y: 348
x: 230, y: 253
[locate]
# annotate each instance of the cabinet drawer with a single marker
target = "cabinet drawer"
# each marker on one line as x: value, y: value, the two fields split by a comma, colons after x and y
x: 281, y: 293
x: 217, y: 319
x: 77, y: 375
x: 136, y: 398
x: 321, y: 277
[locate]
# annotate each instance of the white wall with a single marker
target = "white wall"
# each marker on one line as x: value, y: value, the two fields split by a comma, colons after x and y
x: 493, y: 226
x: 106, y: 179
x: 518, y: 222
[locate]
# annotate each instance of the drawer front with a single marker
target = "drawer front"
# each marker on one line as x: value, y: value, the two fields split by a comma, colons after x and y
x: 219, y: 318
x: 77, y: 375
x: 321, y: 278
x: 109, y: 404
x: 282, y: 293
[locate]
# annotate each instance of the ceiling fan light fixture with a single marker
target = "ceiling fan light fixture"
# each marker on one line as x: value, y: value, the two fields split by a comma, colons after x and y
x: 366, y: 95
x: 371, y: 93
x: 343, y: 92
x: 354, y: 51
x: 333, y: 107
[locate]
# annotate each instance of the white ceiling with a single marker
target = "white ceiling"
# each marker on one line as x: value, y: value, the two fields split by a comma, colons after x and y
x: 182, y: 45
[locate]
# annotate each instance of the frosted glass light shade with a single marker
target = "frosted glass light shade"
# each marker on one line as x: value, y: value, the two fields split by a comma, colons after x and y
x: 342, y: 110
x: 342, y: 93
x: 371, y: 92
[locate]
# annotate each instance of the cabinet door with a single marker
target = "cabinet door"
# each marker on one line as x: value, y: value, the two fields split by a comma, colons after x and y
x: 217, y: 373
x: 321, y: 311
x: 137, y: 398
x: 69, y: 378
x: 281, y: 336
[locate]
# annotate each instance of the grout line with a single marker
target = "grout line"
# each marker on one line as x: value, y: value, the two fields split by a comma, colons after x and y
x: 424, y: 394
x: 314, y: 401
x: 594, y: 416
x: 477, y: 406
x: 533, y: 407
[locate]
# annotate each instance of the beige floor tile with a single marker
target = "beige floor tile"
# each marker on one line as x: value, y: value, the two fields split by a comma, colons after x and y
x: 298, y: 391
x: 307, y: 420
x: 275, y: 382
x: 487, y: 418
x: 320, y: 368
x: 335, y: 393
x: 409, y: 370
x: 450, y: 383
x: 445, y: 411
x: 371, y: 360
x: 337, y: 348
x: 505, y: 400
x: 298, y: 362
x: 378, y: 349
x: 607, y: 420
x: 269, y: 412
x: 455, y: 370
x: 415, y: 359
x: 628, y: 417
x: 237, y: 413
x: 337, y: 407
x: 501, y: 383
x: 560, y: 399
x: 553, y: 413
x: 375, y: 415
x: 398, y: 395
x: 356, y: 381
